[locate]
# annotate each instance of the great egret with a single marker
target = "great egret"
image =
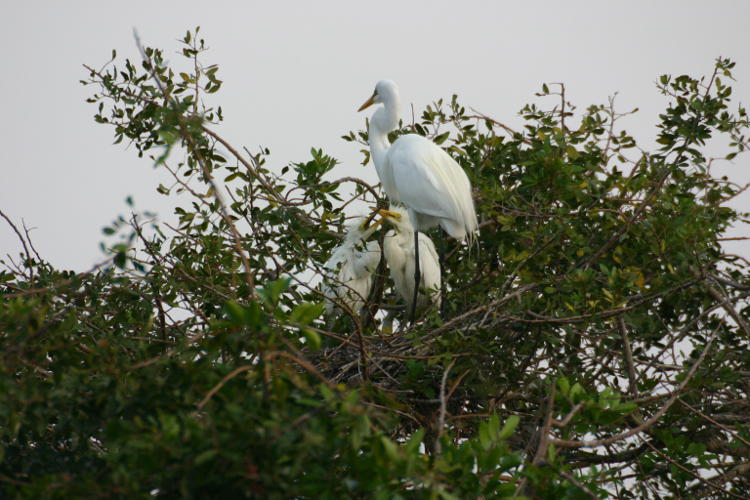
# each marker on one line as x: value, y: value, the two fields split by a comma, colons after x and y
x: 351, y: 266
x: 400, y: 254
x: 416, y: 172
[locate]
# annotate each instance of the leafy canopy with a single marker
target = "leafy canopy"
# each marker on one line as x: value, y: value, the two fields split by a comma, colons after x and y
x: 594, y: 342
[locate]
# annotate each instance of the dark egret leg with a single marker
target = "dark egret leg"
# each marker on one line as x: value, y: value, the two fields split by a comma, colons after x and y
x: 442, y: 275
x: 417, y: 277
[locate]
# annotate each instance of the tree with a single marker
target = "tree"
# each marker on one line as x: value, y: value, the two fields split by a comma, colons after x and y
x: 594, y: 342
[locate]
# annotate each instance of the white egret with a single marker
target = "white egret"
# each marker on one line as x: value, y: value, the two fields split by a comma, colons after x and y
x: 351, y: 267
x: 400, y: 254
x: 416, y: 172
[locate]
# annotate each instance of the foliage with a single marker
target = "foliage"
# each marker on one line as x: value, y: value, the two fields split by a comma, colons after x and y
x: 594, y: 342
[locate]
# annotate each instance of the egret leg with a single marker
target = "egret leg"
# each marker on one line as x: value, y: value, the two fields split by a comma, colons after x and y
x: 442, y: 276
x: 417, y: 277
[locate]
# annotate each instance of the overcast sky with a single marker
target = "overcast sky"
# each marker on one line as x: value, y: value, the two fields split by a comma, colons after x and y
x: 295, y: 73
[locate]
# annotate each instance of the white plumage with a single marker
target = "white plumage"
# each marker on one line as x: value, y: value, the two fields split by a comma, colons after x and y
x: 398, y: 249
x: 350, y: 268
x: 418, y: 173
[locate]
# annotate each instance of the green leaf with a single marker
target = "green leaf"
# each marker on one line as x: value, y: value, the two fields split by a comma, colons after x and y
x: 313, y: 338
x: 236, y: 312
x: 509, y: 427
x: 206, y: 456
x: 271, y: 292
x: 485, y: 438
x: 564, y: 385
x: 120, y: 259
x: 306, y: 312
x: 412, y: 445
x: 441, y: 138
x: 390, y: 448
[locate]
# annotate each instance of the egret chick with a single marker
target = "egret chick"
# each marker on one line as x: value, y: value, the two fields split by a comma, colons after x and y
x: 400, y: 254
x: 351, y: 266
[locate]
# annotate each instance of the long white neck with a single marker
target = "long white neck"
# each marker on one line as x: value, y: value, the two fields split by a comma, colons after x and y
x: 382, y: 122
x: 404, y: 231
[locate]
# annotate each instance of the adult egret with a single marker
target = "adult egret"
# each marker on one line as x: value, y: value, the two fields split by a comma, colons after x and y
x: 351, y: 266
x: 400, y: 254
x: 416, y: 172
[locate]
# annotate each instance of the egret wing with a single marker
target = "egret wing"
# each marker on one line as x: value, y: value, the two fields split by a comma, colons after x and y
x: 367, y: 260
x: 430, y: 182
x: 430, y: 267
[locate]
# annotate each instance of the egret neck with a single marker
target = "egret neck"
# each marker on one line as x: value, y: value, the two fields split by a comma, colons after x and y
x: 383, y: 121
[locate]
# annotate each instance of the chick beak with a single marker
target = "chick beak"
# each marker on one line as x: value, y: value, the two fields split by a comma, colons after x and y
x: 387, y: 213
x: 377, y: 223
x: 366, y: 223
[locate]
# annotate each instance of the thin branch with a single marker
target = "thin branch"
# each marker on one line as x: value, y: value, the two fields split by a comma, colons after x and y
x: 578, y: 484
x: 648, y: 423
x: 491, y: 306
x: 633, y: 381
x: 723, y: 427
x: 31, y: 243
x: 569, y: 416
x: 481, y: 116
x: 20, y: 237
x: 443, y: 407
x: 541, y: 450
x: 242, y: 253
x: 729, y: 309
x: 226, y: 379
x: 692, y: 473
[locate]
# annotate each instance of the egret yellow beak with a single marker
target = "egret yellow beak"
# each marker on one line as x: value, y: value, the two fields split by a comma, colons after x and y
x: 377, y: 223
x: 366, y: 223
x: 387, y: 213
x: 369, y: 102
x: 365, y: 226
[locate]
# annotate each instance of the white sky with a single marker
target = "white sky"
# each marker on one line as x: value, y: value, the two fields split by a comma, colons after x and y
x: 295, y: 73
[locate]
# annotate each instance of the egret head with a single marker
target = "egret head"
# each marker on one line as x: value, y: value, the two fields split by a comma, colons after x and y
x: 361, y: 227
x: 397, y: 217
x: 385, y: 91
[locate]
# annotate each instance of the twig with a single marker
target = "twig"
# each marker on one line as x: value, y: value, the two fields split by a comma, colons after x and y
x: 268, y: 356
x: 578, y: 484
x: 209, y: 178
x: 564, y: 443
x: 543, y: 439
x: 569, y: 416
x: 492, y: 305
x: 481, y: 116
x: 695, y: 475
x: 723, y: 427
x: 31, y: 243
x: 443, y: 407
x: 545, y: 430
x: 154, y: 287
x: 633, y: 382
x: 23, y: 242
x: 226, y: 379
x: 729, y: 309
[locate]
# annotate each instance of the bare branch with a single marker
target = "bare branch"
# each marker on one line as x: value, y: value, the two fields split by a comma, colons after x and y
x: 651, y: 421
x: 443, y: 407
